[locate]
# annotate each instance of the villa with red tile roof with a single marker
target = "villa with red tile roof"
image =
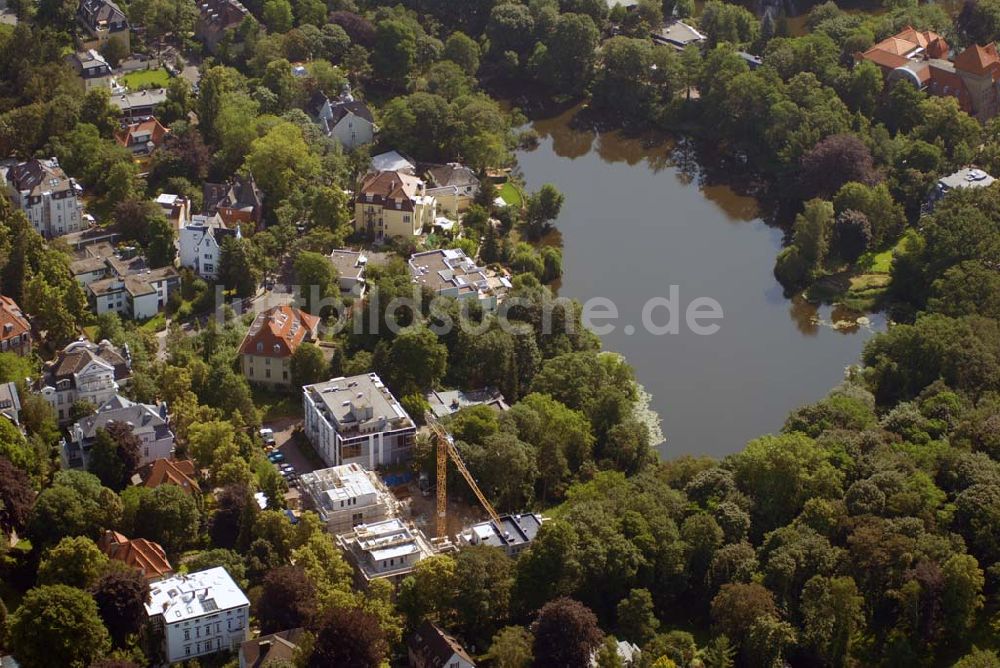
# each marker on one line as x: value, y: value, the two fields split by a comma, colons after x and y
x: 15, y: 330
x: 178, y: 472
x: 147, y: 556
x: 274, y: 336
x: 142, y: 138
x: 922, y: 58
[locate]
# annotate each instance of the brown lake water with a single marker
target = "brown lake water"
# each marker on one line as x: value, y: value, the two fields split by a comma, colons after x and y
x: 638, y: 220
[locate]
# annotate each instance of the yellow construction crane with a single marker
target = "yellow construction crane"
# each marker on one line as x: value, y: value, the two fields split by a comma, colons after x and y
x: 446, y: 448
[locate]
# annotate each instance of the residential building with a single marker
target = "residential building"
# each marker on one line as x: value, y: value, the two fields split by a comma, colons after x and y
x: 143, y: 137
x: 274, y: 336
x: 149, y: 423
x: 922, y: 59
x: 145, y: 555
x: 274, y: 648
x: 178, y: 472
x: 130, y: 288
x: 431, y: 647
x: 515, y: 533
x: 447, y: 402
x: 393, y: 204
x: 967, y: 177
x: 10, y: 402
x: 392, y: 161
x: 90, y: 262
x: 628, y: 655
x: 103, y: 20
x: 346, y: 496
x: 678, y: 34
x: 90, y: 236
x: 177, y: 209
x: 347, y: 120
x: 450, y: 273
x: 15, y: 330
x: 350, y: 266
x: 51, y: 200
x: 237, y: 201
x: 752, y: 61
x: 216, y: 18
x: 388, y: 549
x: 454, y: 186
x: 356, y: 420
x: 200, y: 243
x: 198, y: 613
x: 83, y: 371
x: 92, y: 68
x: 139, y: 105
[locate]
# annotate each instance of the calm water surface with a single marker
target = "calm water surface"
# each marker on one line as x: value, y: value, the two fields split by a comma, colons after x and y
x: 634, y: 223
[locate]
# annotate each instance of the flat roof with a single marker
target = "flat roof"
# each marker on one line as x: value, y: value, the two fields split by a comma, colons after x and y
x: 183, y: 597
x: 362, y: 403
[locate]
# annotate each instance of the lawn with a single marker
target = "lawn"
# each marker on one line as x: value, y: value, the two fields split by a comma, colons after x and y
x: 275, y: 405
x: 146, y: 79
x: 510, y: 194
x: 155, y: 324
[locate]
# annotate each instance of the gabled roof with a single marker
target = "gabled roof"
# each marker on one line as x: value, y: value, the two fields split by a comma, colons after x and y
x: 147, y: 556
x: 178, y: 472
x: 143, y: 419
x: 979, y: 60
x: 75, y: 357
x: 40, y: 176
x: 435, y: 646
x: 98, y: 12
x: 452, y: 174
x: 278, y: 332
x: 342, y: 109
x: 396, y: 185
x: 278, y: 646
x: 138, y: 132
x: 12, y: 321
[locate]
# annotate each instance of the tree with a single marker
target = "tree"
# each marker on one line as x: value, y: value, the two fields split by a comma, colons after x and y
x: 239, y: 268
x: 737, y: 606
x: 287, y: 600
x: 169, y: 516
x: 570, y: 54
x: 16, y: 497
x: 75, y: 561
x: 230, y: 524
x: 832, y: 614
x: 834, y: 161
x: 75, y: 505
x: 963, y: 592
x: 541, y: 209
x: 504, y: 466
x: 852, y: 235
x: 115, y: 455
x: 308, y: 365
x: 277, y: 15
x: 281, y: 161
x: 483, y: 583
x: 414, y: 362
x: 395, y: 52
x: 511, y: 648
x: 566, y: 634
x: 348, y: 637
x: 723, y: 22
x: 121, y: 596
x: 462, y: 50
x: 317, y: 281
x: 160, y: 248
x: 57, y: 625
x: 636, y: 618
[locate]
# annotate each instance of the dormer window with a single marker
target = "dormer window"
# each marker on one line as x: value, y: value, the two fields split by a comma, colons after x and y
x: 260, y: 347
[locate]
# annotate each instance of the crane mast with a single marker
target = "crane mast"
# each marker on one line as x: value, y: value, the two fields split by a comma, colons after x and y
x: 446, y: 450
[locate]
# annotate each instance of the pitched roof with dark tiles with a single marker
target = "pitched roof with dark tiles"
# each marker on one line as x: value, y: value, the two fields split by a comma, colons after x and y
x: 278, y: 332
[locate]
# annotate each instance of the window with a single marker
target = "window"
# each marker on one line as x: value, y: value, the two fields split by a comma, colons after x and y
x: 187, y: 634
x: 187, y: 650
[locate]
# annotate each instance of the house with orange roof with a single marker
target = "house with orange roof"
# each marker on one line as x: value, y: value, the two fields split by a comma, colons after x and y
x: 178, y: 472
x: 147, y: 556
x: 274, y: 336
x: 923, y: 58
x: 142, y: 138
x: 15, y: 330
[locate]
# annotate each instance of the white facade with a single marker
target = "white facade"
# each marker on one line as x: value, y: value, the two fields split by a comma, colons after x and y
x: 51, y: 200
x: 200, y: 244
x: 346, y: 496
x: 353, y: 131
x: 357, y: 420
x: 199, y: 613
x: 386, y: 549
x: 94, y: 383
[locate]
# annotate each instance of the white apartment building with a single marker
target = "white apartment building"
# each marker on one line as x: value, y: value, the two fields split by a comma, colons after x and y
x: 200, y: 244
x: 346, y: 496
x: 83, y: 371
x: 356, y: 420
x: 50, y: 199
x: 387, y: 549
x: 451, y: 273
x: 198, y: 613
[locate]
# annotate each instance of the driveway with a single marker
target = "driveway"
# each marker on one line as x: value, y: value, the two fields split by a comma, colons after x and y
x: 287, y: 445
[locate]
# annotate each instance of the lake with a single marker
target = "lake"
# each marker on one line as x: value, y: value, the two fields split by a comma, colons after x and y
x: 634, y: 223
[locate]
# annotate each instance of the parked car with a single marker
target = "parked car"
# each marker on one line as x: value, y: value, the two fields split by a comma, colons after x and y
x: 267, y: 435
x: 276, y: 456
x: 287, y: 468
